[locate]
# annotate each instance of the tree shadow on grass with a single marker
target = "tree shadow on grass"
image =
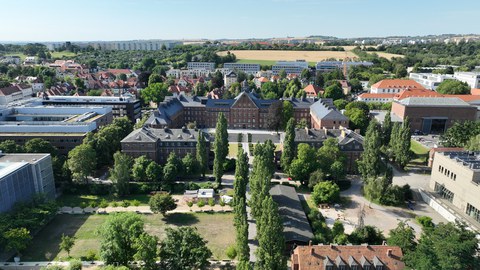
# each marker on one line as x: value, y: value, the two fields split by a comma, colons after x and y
x: 181, y: 219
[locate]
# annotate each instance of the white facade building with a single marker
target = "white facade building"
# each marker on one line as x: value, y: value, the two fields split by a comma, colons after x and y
x: 471, y: 78
x: 247, y: 68
x: 327, y: 66
x: 290, y: 67
x: 201, y: 65
x: 430, y: 80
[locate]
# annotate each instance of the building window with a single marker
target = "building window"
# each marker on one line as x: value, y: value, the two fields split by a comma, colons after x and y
x: 444, y: 192
x: 473, y: 212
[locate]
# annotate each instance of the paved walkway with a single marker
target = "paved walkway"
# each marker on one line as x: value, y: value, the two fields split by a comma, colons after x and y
x: 252, y: 226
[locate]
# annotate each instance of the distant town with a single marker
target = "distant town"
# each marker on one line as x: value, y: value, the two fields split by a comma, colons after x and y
x: 282, y: 153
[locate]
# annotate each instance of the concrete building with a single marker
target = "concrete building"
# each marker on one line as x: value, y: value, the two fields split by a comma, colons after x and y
x: 430, y: 80
x: 433, y: 114
x: 133, y: 45
x: 372, y: 97
x: 63, y: 127
x: 24, y: 175
x: 324, y: 115
x: 157, y: 144
x: 456, y: 178
x: 471, y: 78
x: 394, y: 86
x: 247, y: 68
x: 328, y: 66
x: 338, y: 257
x: 121, y: 106
x: 229, y: 79
x: 201, y: 65
x: 290, y: 67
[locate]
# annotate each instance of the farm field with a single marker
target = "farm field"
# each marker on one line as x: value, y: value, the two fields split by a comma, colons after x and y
x: 216, y: 228
x: 54, y: 54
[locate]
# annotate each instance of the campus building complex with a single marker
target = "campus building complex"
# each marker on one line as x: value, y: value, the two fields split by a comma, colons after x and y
x: 201, y: 65
x: 157, y: 144
x: 121, y: 106
x: 290, y: 67
x: 63, y: 127
x: 24, y: 175
x: 245, y: 111
x: 328, y: 66
x: 247, y: 68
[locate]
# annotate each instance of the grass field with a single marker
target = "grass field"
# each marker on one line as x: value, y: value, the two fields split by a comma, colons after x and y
x: 217, y: 229
x: 232, y: 150
x: 420, y: 153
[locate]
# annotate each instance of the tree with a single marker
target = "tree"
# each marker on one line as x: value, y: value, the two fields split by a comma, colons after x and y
x: 288, y: 152
x: 340, y: 104
x: 367, y: 234
x: 331, y: 160
x: 403, y: 236
x: 120, y: 173
x: 447, y: 246
x: 154, y: 78
x: 139, y: 169
x: 241, y: 229
x: 118, y: 236
x: 220, y: 148
x: 38, y: 145
x: 147, y: 250
x: 325, y: 192
x: 315, y: 178
x: 400, y: 71
x: 190, y: 165
x: 400, y: 143
x: 334, y: 92
x: 155, y: 93
x: 9, y: 146
x: 262, y: 172
x: 302, y: 165
x: 241, y: 176
x: 125, y: 125
x: 17, y: 239
x: 387, y: 129
x: 161, y: 203
x: 81, y: 161
x: 460, y: 133
x: 154, y: 172
x: 66, y: 243
x: 271, y: 243
x: 282, y: 74
x: 171, y: 168
x: 79, y: 84
x: 287, y: 113
x: 370, y: 163
x: 358, y: 119
x: 473, y: 144
x: 274, y: 116
x: 184, y: 248
x: 201, y: 153
x: 453, y: 87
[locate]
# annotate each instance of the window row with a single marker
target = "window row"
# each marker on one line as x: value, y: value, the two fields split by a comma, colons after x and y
x: 448, y: 173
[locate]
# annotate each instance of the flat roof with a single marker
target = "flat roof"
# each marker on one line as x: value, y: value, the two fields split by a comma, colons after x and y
x: 470, y: 159
x: 12, y: 162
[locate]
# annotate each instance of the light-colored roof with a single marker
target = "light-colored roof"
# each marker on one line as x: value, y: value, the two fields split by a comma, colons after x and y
x: 374, y: 95
x: 434, y: 102
x: 323, y: 109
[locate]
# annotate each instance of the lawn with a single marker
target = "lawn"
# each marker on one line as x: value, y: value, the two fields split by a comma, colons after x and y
x: 78, y: 200
x: 420, y: 153
x: 233, y: 150
x: 216, y: 228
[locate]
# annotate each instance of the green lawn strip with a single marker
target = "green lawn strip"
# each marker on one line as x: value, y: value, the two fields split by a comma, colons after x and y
x: 420, y: 152
x: 216, y: 228
x: 77, y: 200
x: 233, y: 150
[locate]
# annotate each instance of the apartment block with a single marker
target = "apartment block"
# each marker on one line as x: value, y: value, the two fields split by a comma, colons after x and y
x: 430, y: 80
x: 24, y: 175
x: 471, y: 78
x: 456, y: 178
x: 247, y: 68
x: 328, y: 66
x: 201, y: 65
x: 290, y: 67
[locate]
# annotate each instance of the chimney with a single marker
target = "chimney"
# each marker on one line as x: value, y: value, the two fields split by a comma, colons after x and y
x: 389, y: 252
x: 312, y: 251
x: 309, y: 242
x: 306, y: 130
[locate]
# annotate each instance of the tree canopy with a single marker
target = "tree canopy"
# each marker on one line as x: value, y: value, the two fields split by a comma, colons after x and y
x: 453, y: 87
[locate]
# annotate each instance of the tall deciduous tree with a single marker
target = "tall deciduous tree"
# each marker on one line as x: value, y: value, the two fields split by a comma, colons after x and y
x: 271, y: 243
x: 241, y: 228
x: 387, y: 129
x: 370, y: 163
x: 241, y: 176
x: 147, y: 251
x: 9, y: 146
x: 220, y: 148
x: 453, y: 87
x: 261, y: 176
x: 81, y: 161
x: 183, y: 248
x: 402, y: 152
x: 403, y: 236
x: 155, y: 93
x: 287, y: 113
x: 120, y: 173
x: 326, y: 192
x: 139, y: 169
x: 288, y: 152
x: 118, y: 236
x: 38, y: 145
x: 172, y: 168
x: 161, y: 203
x: 201, y: 153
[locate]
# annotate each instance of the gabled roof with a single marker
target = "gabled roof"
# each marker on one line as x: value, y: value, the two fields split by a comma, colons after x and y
x: 416, y: 93
x: 323, y: 110
x: 374, y: 95
x: 295, y: 223
x: 9, y: 90
x: 398, y: 83
x: 312, y: 89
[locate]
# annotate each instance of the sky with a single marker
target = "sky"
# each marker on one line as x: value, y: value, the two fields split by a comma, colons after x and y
x: 88, y: 20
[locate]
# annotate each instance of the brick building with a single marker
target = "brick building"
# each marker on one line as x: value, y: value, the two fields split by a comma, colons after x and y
x: 433, y: 114
x: 157, y: 144
x: 244, y: 111
x: 325, y: 115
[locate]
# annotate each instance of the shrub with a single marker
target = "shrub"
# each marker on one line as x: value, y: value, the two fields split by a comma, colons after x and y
x: 75, y: 264
x: 103, y: 203
x: 190, y: 204
x: 231, y: 252
x: 326, y: 192
x: 83, y: 204
x: 125, y: 203
x: 191, y: 186
x: 211, y: 202
x: 201, y: 203
x: 93, y: 204
x: 91, y: 255
x: 136, y: 203
x: 425, y: 221
x: 114, y: 204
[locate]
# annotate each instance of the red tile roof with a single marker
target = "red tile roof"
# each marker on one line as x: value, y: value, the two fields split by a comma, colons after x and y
x: 317, y: 256
x: 312, y: 89
x: 119, y: 71
x: 475, y: 91
x: 397, y: 83
x: 416, y: 93
x: 373, y: 95
x: 466, y: 98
